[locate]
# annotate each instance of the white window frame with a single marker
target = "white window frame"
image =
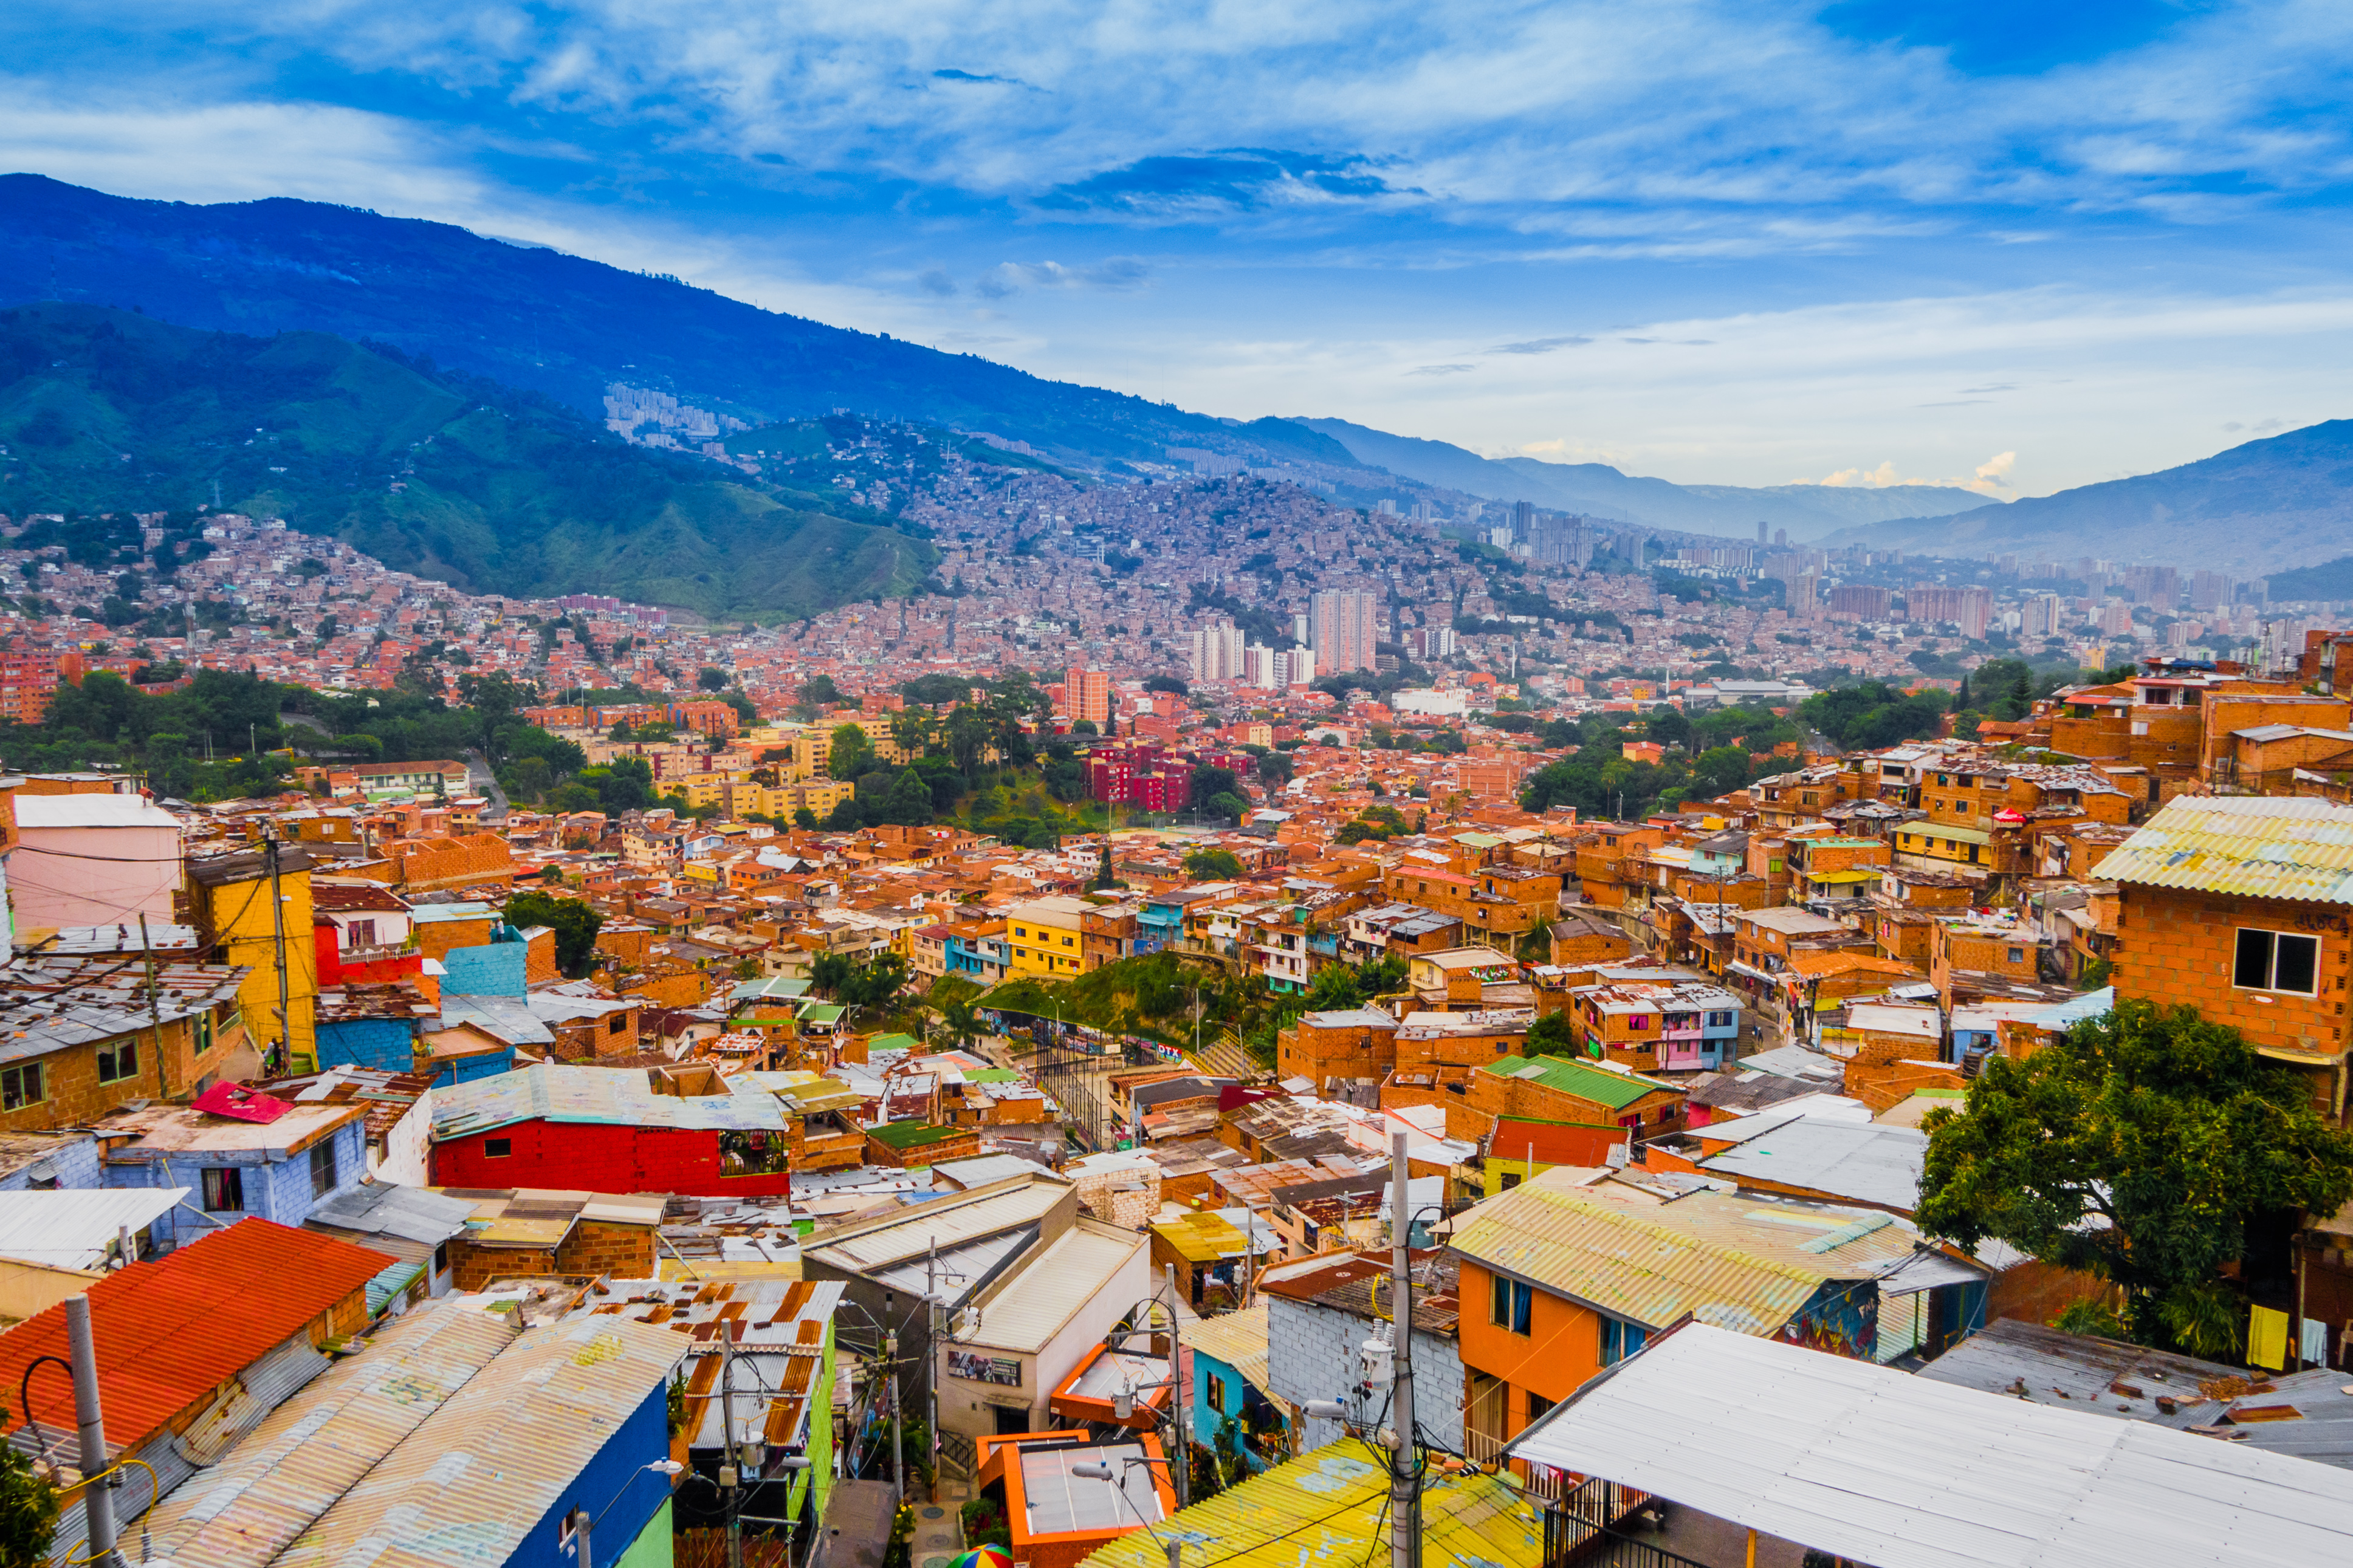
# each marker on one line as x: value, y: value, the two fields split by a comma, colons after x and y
x: 2270, y: 961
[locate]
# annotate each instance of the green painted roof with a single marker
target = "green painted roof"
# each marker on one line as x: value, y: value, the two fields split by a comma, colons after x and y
x: 991, y: 1075
x: 893, y: 1043
x: 913, y: 1134
x: 823, y: 1013
x: 1615, y: 1090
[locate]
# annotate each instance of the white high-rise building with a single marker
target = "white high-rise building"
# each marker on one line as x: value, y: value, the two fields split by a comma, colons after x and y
x: 1217, y: 653
x: 1347, y: 626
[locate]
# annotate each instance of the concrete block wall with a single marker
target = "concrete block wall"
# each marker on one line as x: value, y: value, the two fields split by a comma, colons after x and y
x: 1311, y: 1354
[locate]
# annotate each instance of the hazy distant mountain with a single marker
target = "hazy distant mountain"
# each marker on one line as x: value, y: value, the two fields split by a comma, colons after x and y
x: 2283, y: 503
x: 1806, y: 510
x: 539, y: 320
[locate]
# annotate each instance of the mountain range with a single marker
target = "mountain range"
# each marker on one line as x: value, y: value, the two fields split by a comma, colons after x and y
x: 545, y: 321
x: 2274, y: 505
x: 479, y: 324
x: 429, y: 470
x: 1600, y: 490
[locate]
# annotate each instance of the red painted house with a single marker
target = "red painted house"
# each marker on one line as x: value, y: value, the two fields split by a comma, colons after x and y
x: 604, y: 1129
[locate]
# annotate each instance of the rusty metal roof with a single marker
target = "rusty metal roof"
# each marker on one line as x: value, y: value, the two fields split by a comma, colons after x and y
x: 2266, y: 847
x: 317, y: 1446
x: 487, y: 1464
x: 782, y: 1329
x: 1739, y: 1263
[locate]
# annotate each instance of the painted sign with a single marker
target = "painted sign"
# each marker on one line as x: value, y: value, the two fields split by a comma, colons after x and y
x: 983, y: 1369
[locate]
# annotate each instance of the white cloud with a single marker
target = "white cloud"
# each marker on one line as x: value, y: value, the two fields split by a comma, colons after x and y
x: 1990, y: 479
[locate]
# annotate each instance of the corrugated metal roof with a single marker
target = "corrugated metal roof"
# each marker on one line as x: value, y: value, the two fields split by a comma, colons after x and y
x: 781, y: 1329
x: 313, y: 1449
x: 1330, y: 1507
x: 408, y: 1222
x: 1866, y: 1163
x: 1870, y: 1464
x: 487, y: 1463
x: 604, y: 1096
x: 1724, y: 1259
x: 1031, y: 1305
x: 75, y: 1227
x: 865, y: 1244
x: 2263, y: 846
x: 171, y: 1331
x: 1238, y: 1339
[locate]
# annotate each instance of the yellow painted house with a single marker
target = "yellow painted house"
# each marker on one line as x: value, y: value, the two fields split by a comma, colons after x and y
x: 1043, y: 935
x: 229, y: 903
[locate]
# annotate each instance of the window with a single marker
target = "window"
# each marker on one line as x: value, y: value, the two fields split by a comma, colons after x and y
x: 1537, y: 1406
x: 1511, y: 1304
x: 1621, y: 1339
x: 1511, y: 1180
x: 614, y: 1025
x: 223, y: 1188
x: 322, y: 1167
x: 2017, y: 955
x: 441, y: 1258
x: 359, y: 933
x: 117, y: 1059
x: 1216, y: 1392
x: 2277, y: 961
x: 21, y: 1087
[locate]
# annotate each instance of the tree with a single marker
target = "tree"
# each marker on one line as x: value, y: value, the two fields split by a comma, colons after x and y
x: 908, y: 804
x: 575, y: 925
x: 850, y: 752
x: 804, y: 818
x: 1217, y: 865
x: 1553, y: 1034
x: 1274, y: 768
x: 819, y: 692
x: 712, y: 679
x: 1167, y: 683
x: 29, y: 1509
x: 2140, y: 1148
x: 1209, y: 781
x: 1229, y: 803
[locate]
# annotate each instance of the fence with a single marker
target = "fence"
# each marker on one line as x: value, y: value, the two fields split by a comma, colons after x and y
x: 1581, y: 1530
x: 708, y: 1549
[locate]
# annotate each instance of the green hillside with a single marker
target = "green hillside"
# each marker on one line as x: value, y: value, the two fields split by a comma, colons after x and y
x: 431, y: 472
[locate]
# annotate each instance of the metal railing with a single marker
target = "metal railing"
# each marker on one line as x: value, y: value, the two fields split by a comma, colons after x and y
x: 1582, y: 1532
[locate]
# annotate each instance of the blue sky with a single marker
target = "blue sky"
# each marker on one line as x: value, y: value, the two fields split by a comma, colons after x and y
x: 2021, y: 247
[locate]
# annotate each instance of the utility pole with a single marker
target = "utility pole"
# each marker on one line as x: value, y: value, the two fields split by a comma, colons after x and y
x: 277, y: 931
x: 1404, y: 1480
x: 1180, y: 1411
x: 98, y: 1499
x: 898, y: 1442
x: 730, y: 1472
x: 932, y: 1343
x: 154, y: 1010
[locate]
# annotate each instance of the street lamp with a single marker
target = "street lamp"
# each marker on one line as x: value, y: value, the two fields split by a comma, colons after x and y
x: 582, y: 1525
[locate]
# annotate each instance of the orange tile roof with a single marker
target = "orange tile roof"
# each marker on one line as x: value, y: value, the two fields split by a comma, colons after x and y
x: 171, y: 1331
x: 1814, y: 965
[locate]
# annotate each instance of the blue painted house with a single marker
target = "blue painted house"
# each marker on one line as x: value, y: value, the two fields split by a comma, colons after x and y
x: 49, y: 1162
x: 236, y: 1169
x: 1228, y: 1380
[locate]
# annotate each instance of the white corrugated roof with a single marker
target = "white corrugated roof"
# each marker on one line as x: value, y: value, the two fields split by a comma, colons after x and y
x: 1030, y: 1308
x: 1902, y: 1472
x: 76, y: 1228
x: 36, y: 811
